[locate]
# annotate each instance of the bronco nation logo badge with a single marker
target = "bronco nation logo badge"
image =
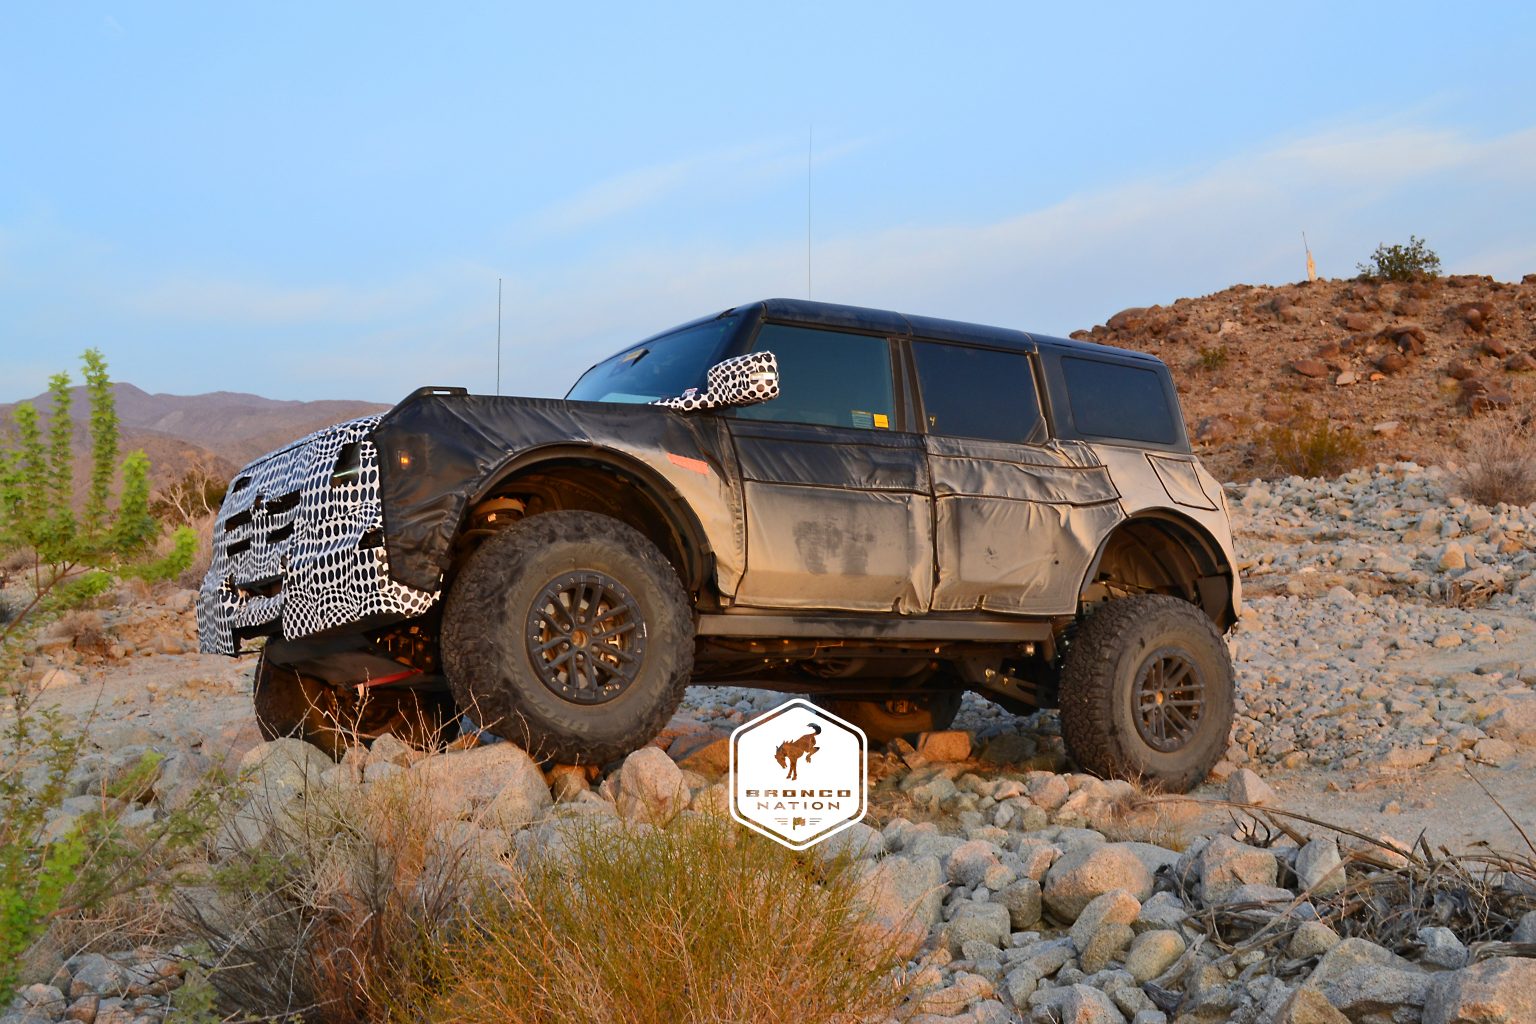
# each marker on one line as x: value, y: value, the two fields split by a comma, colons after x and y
x: 798, y: 774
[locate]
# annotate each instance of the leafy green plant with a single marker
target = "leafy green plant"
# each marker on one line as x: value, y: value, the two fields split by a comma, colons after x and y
x: 72, y: 559
x: 1402, y: 262
x: 66, y: 559
x: 1311, y: 447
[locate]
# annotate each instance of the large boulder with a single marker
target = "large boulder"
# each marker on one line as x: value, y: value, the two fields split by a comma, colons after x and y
x: 277, y: 776
x: 471, y: 784
x: 649, y: 787
x: 1225, y: 864
x: 904, y: 894
x: 1087, y: 871
x: 1500, y: 991
x: 1368, y: 983
x: 1318, y: 868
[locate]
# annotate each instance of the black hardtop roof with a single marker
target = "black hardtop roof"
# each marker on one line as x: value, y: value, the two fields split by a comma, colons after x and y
x: 832, y: 314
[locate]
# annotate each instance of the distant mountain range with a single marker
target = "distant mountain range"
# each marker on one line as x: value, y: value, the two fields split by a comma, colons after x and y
x: 220, y: 431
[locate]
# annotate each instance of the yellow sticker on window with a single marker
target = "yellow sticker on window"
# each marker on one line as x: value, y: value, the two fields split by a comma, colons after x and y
x: 882, y: 421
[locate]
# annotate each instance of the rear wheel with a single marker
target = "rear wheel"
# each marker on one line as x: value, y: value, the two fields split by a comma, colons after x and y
x: 569, y: 634
x: 1146, y: 693
x: 290, y: 703
x: 886, y: 720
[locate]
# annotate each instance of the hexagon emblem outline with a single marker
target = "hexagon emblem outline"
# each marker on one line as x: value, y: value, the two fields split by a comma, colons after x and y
x: 788, y: 755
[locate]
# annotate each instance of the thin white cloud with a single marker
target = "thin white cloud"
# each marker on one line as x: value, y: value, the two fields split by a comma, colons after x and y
x: 724, y: 171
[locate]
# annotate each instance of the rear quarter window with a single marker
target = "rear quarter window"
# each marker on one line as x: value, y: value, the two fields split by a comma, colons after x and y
x: 1114, y: 400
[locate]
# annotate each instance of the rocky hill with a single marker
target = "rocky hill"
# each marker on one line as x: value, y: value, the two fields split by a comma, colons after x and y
x: 1402, y: 366
x: 219, y: 431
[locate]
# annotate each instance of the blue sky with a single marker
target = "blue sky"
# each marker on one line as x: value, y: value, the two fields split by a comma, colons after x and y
x: 316, y: 200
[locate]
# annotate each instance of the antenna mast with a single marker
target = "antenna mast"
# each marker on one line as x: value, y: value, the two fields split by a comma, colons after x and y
x: 810, y: 140
x: 498, y: 336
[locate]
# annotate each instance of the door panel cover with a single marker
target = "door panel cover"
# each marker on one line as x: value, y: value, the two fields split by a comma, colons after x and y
x: 799, y: 774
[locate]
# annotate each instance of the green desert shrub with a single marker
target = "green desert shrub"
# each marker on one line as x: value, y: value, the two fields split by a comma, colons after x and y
x: 1310, y: 447
x: 1402, y: 262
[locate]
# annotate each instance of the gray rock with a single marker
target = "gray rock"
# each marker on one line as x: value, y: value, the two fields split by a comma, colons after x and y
x: 1318, y: 868
x: 970, y: 861
x: 1114, y: 907
x: 1312, y: 938
x: 1309, y: 1006
x: 1360, y: 978
x: 1525, y: 931
x: 1107, y: 941
x: 1244, y: 786
x: 1164, y: 911
x: 1078, y: 1004
x: 858, y: 841
x: 1084, y: 872
x: 1020, y: 983
x: 1152, y: 953
x: 464, y: 783
x: 1224, y: 864
x: 1442, y: 949
x: 1497, y: 991
x: 1022, y: 899
x: 985, y: 921
x: 650, y: 787
x: 524, y: 796
x: 904, y: 893
x: 94, y: 974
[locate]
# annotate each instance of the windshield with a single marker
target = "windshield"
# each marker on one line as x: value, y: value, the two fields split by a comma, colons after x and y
x: 663, y: 367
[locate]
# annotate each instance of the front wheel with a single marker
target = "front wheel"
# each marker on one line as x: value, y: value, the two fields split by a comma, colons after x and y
x: 1146, y: 693
x: 569, y: 634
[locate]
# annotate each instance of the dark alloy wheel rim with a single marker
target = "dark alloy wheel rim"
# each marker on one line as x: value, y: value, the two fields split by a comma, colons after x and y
x: 586, y: 637
x: 1168, y: 700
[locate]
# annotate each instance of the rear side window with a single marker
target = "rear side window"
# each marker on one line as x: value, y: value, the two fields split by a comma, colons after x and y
x: 1115, y: 400
x: 978, y: 392
x: 827, y: 377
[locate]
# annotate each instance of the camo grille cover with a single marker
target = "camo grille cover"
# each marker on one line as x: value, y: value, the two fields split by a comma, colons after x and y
x: 291, y: 549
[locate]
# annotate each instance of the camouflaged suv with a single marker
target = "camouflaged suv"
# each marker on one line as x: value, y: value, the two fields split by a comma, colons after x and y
x: 880, y: 510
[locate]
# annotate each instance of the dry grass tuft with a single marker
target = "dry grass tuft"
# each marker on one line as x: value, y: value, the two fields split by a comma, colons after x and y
x: 701, y: 922
x: 1501, y: 463
x: 1310, y: 447
x: 333, y: 912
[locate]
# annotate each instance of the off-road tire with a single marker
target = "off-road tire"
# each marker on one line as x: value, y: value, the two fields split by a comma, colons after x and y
x: 937, y: 711
x: 289, y: 703
x: 1101, y: 690
x: 486, y: 652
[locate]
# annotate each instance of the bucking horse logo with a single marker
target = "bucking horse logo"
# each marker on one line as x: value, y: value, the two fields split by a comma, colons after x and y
x: 790, y: 752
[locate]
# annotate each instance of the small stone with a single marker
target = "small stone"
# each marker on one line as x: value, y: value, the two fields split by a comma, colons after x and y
x: 1152, y: 953
x: 1312, y: 938
x: 1107, y: 941
x: 1318, y: 868
x: 1022, y: 899
x: 1310, y: 368
x: 985, y: 921
x: 1442, y: 949
x: 969, y: 863
x: 1245, y: 787
x: 1114, y: 907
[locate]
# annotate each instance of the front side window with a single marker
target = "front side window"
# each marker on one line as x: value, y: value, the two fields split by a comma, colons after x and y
x: 828, y: 378
x: 978, y: 392
x: 660, y: 368
x: 1119, y: 401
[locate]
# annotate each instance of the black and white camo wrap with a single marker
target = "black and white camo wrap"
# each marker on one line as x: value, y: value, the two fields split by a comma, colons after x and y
x: 292, y: 527
x: 742, y: 380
